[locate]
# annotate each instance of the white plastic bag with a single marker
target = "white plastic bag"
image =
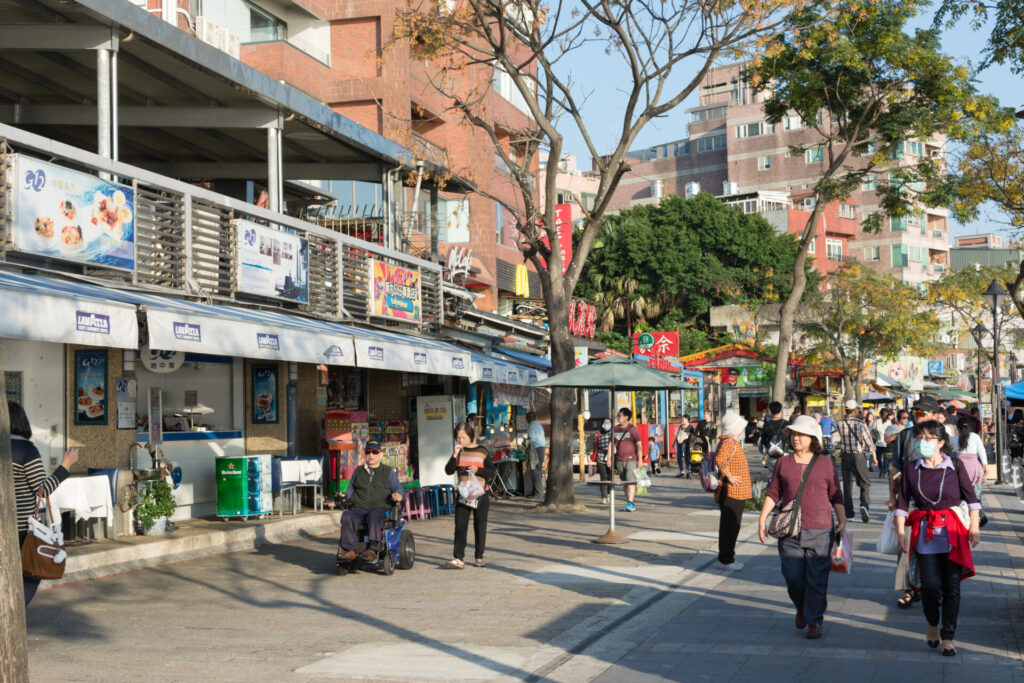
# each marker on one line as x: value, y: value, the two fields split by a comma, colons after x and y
x: 888, y: 541
x: 842, y: 555
x: 642, y: 479
x: 470, y: 490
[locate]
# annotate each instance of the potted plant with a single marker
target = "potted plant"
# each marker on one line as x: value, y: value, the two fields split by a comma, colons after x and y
x: 156, y: 504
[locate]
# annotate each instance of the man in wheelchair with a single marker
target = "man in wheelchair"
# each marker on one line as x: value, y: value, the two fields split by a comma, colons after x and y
x: 371, y: 492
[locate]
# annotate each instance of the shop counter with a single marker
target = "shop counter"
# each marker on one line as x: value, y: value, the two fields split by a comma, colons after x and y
x: 196, y: 454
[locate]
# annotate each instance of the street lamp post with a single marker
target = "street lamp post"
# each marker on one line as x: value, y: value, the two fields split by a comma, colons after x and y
x: 993, y: 296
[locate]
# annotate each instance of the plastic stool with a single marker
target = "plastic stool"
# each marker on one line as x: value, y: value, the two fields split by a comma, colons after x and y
x: 422, y: 508
x: 446, y: 493
x: 434, y: 496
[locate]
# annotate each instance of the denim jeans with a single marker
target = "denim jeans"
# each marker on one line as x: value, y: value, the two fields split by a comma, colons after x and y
x: 681, y: 458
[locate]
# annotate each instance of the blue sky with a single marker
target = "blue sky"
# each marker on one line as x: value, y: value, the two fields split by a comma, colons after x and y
x: 603, y: 115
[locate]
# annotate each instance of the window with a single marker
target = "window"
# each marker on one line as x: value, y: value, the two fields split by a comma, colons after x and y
x: 914, y: 220
x: 588, y: 200
x: 812, y: 249
x: 764, y: 163
x: 792, y: 123
x: 252, y: 24
x: 834, y: 250
x: 708, y: 114
x: 751, y: 130
x: 711, y: 143
x: 897, y: 152
x: 872, y: 254
x: 898, y: 224
x: 915, y: 148
x: 504, y: 86
x: 870, y: 148
x: 499, y: 222
x: 870, y: 182
x: 815, y: 155
x: 453, y: 215
x: 899, y: 256
x: 917, y: 254
x: 847, y: 211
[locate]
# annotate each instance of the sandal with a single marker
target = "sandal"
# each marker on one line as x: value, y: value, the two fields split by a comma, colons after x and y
x: 479, y: 562
x: 909, y: 598
x: 455, y: 563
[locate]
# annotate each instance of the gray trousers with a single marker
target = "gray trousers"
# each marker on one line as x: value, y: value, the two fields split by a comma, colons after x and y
x: 855, y: 467
x: 538, y: 470
x: 806, y: 566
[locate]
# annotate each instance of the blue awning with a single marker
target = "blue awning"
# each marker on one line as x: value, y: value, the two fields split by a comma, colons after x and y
x: 533, y: 361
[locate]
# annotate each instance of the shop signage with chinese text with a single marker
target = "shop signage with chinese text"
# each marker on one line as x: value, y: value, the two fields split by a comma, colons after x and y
x: 394, y: 292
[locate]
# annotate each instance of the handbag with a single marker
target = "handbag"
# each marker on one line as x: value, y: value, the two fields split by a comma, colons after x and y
x: 785, y: 521
x: 42, y: 554
x: 841, y: 560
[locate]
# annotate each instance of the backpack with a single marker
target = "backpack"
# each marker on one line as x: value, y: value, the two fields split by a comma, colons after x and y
x: 709, y: 472
x: 775, y: 445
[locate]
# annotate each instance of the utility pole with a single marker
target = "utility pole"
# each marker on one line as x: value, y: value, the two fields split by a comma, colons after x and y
x: 13, y: 639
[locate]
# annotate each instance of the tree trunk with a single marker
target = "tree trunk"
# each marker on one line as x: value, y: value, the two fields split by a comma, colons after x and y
x: 13, y: 645
x: 787, y: 316
x: 560, y: 489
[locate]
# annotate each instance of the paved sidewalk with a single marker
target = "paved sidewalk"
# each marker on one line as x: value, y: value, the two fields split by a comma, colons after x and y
x: 549, y: 606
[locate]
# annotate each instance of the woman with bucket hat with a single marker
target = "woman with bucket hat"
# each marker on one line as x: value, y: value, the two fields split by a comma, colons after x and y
x: 805, y: 489
x: 735, y: 491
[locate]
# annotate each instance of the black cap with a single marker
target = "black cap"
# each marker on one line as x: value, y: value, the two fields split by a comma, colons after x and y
x: 926, y: 404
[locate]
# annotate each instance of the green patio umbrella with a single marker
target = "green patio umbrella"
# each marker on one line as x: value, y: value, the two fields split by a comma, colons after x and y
x: 613, y: 372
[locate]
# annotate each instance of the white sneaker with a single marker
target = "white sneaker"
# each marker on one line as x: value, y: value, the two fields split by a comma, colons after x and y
x: 734, y: 567
x: 865, y: 516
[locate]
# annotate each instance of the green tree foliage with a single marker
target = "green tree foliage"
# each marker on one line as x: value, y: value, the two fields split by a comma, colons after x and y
x: 958, y: 297
x: 864, y: 86
x: 669, y: 264
x: 1006, y: 44
x: 863, y: 315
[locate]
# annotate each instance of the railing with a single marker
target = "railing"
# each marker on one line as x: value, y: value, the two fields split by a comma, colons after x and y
x: 187, y: 241
x: 841, y: 258
x: 430, y: 151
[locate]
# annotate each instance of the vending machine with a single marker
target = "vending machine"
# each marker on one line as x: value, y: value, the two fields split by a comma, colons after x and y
x: 436, y: 417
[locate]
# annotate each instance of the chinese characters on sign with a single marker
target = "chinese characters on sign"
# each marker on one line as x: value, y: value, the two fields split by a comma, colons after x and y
x: 73, y: 216
x: 659, y: 348
x: 582, y: 319
x: 394, y: 292
x: 563, y: 229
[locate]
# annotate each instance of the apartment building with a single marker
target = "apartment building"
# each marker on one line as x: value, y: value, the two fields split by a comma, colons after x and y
x: 731, y: 150
x: 335, y: 51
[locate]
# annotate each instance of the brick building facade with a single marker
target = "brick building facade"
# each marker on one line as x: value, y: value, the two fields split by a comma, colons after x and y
x: 732, y: 151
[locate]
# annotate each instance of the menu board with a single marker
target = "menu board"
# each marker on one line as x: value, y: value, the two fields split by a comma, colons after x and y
x: 127, y: 396
x: 272, y: 263
x: 73, y: 216
x: 91, y: 387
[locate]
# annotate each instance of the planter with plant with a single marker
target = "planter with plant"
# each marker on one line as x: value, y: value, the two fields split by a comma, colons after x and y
x: 156, y: 504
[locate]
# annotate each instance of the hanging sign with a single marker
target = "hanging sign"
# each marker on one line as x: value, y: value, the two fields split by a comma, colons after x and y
x: 460, y: 261
x: 394, y: 292
x: 73, y: 216
x: 272, y: 263
x: 160, y: 361
x: 582, y: 319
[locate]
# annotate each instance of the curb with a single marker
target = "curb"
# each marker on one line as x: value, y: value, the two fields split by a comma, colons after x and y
x: 126, y: 557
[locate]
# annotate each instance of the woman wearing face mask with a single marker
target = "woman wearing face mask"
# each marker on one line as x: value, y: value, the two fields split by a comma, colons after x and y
x: 936, y: 535
x: 603, y: 449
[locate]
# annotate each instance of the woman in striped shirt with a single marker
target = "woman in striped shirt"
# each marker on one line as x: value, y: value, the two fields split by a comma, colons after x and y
x: 470, y: 460
x: 29, y: 476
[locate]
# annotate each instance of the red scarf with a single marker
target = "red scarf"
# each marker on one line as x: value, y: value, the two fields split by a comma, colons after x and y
x: 959, y: 540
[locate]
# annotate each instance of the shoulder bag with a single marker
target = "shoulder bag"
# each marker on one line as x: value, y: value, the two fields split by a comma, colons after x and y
x: 42, y: 554
x: 784, y: 522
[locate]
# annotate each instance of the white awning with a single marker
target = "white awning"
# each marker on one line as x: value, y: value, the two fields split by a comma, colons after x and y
x: 267, y: 336
x: 402, y: 353
x: 490, y: 369
x: 31, y: 308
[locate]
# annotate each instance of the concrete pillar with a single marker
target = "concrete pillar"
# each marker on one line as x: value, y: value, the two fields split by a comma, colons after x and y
x: 274, y: 168
x: 103, y: 120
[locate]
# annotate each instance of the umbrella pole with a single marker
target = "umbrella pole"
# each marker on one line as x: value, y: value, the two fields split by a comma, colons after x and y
x: 611, y: 537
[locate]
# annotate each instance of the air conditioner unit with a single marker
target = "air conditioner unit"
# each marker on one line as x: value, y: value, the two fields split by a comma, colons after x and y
x: 232, y: 43
x: 220, y: 38
x: 208, y: 31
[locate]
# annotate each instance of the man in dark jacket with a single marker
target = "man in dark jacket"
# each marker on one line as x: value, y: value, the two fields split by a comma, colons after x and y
x: 372, y: 489
x: 773, y: 428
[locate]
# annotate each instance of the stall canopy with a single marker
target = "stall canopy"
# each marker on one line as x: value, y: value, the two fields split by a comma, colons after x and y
x: 34, y: 309
x: 490, y: 369
x: 1015, y: 392
x: 407, y: 353
x: 176, y: 325
x: 534, y: 361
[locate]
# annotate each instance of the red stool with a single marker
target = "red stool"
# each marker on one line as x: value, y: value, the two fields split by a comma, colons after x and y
x: 416, y: 505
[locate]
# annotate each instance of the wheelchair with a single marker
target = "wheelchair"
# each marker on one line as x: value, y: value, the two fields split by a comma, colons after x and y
x: 395, y: 547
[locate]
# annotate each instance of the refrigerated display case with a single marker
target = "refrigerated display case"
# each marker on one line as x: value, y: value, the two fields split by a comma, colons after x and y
x: 244, y: 486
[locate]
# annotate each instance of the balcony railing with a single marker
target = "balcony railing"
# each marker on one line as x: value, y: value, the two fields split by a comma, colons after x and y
x: 186, y: 240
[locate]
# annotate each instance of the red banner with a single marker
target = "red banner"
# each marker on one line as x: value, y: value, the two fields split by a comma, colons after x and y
x: 582, y: 319
x: 563, y: 225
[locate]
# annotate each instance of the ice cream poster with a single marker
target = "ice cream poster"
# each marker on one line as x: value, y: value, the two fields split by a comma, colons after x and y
x: 272, y: 263
x: 73, y: 216
x: 395, y: 292
x: 264, y: 394
x: 91, y: 387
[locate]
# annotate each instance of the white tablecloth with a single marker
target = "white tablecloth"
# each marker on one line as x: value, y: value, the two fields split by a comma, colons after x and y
x: 87, y: 497
x: 301, y: 471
